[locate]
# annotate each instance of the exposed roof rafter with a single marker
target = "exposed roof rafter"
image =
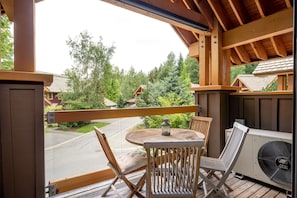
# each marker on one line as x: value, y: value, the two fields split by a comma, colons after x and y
x: 272, y: 25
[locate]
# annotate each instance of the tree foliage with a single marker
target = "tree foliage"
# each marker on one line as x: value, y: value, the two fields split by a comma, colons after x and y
x: 90, y: 73
x: 191, y: 68
x: 92, y: 77
x: 131, y: 81
x: 170, y: 87
x: 6, y: 44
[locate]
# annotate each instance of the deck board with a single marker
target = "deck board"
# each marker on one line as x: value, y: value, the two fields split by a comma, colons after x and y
x: 242, y: 188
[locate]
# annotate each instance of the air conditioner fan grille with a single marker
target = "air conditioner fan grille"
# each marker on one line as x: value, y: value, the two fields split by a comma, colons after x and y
x: 275, y: 160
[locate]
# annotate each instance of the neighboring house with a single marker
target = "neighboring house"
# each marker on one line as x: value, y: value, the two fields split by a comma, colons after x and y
x: 139, y: 90
x: 51, y: 92
x: 109, y: 103
x: 58, y: 85
x: 252, y: 83
x: 136, y: 93
x: 282, y: 67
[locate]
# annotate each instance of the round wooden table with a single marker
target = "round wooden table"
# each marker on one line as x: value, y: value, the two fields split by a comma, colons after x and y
x: 155, y: 134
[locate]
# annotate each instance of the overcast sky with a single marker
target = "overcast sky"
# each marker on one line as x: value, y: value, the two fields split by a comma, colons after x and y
x: 140, y: 41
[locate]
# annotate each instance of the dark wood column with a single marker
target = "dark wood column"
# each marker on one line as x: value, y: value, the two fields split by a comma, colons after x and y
x: 22, y: 134
x: 24, y: 35
x: 213, y: 102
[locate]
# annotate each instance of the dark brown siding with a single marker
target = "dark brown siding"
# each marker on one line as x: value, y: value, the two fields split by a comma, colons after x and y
x: 270, y: 112
x: 22, y: 140
x: 215, y: 104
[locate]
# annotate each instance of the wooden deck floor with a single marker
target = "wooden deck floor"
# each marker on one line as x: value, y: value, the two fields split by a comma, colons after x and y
x: 242, y: 188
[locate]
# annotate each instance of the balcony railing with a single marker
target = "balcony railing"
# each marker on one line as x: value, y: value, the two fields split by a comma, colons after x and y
x: 74, y: 182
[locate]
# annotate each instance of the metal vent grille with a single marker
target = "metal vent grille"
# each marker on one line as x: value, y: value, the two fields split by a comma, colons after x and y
x: 275, y: 160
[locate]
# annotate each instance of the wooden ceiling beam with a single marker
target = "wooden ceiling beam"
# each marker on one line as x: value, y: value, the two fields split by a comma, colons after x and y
x: 239, y: 11
x: 187, y: 37
x: 240, y: 14
x: 288, y: 3
x: 8, y: 8
x: 260, y: 6
x: 235, y: 58
x: 217, y: 8
x: 276, y: 42
x: 278, y: 46
x: 243, y: 55
x: 189, y: 4
x: 259, y: 50
x: 168, y: 7
x: 205, y: 11
x: 184, y: 38
x: 272, y: 25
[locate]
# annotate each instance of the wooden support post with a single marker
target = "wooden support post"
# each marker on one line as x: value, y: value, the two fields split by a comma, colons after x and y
x: 281, y: 82
x: 216, y: 54
x: 24, y: 35
x: 290, y: 82
x: 204, y: 57
x: 226, y: 67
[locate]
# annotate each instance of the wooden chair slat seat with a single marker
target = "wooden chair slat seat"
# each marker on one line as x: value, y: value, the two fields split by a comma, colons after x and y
x: 173, y: 168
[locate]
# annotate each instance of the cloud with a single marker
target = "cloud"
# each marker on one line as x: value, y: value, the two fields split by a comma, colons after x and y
x: 140, y: 41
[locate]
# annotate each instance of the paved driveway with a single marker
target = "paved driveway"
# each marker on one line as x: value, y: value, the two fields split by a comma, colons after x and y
x: 69, y: 154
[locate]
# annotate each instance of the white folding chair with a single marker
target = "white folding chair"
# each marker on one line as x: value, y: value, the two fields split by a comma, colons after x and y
x: 223, y: 164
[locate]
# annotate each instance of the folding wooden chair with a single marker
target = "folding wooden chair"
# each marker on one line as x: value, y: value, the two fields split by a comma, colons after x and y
x: 223, y: 164
x: 201, y: 124
x: 173, y: 168
x: 123, y: 165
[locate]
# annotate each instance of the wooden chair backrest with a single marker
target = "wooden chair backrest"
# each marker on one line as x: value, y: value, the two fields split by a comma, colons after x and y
x: 173, y: 168
x: 233, y: 146
x: 107, y: 150
x: 201, y: 124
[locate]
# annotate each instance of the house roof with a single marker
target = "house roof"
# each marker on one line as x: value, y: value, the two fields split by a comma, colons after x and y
x: 59, y: 84
x: 109, y: 103
x: 252, y: 30
x: 139, y: 90
x: 277, y: 66
x: 252, y: 82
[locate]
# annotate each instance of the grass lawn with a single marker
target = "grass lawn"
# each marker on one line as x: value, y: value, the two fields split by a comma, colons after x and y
x: 90, y: 127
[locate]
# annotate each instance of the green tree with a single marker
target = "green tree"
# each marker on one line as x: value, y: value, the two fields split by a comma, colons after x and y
x: 131, y: 81
x: 6, y: 44
x: 91, y: 63
x: 249, y: 68
x: 235, y: 70
x: 166, y: 67
x: 121, y: 102
x: 191, y: 67
x: 170, y: 89
x: 180, y: 64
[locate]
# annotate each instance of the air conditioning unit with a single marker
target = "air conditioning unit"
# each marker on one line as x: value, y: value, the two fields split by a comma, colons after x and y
x: 266, y: 156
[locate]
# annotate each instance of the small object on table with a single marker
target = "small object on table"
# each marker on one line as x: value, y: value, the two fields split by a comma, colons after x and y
x: 140, y: 136
x: 166, y: 127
